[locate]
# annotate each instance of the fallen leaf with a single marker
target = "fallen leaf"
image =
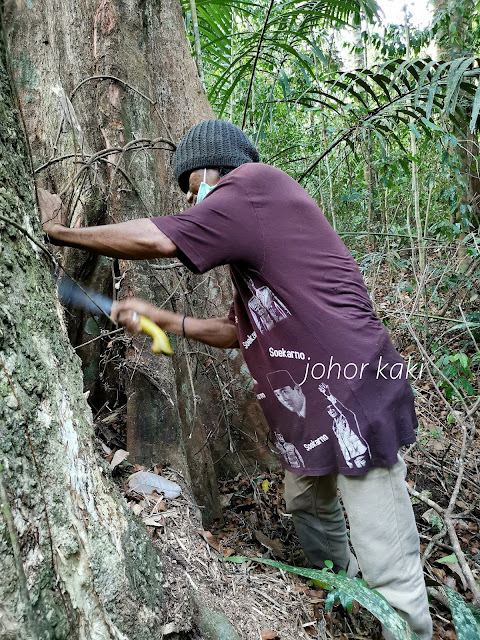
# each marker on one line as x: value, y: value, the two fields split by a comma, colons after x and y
x: 451, y: 582
x: 225, y: 499
x: 265, y: 485
x: 228, y: 552
x: 432, y: 517
x: 451, y: 562
x: 106, y: 449
x: 120, y: 456
x: 154, y: 521
x: 269, y: 635
x: 210, y: 539
x: 301, y: 588
x: 146, y: 482
x: 440, y: 573
x: 136, y: 508
x: 451, y: 559
x: 275, y: 546
x: 315, y: 596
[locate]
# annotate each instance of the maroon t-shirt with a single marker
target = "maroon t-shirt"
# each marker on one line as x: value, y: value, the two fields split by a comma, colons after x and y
x: 332, y: 387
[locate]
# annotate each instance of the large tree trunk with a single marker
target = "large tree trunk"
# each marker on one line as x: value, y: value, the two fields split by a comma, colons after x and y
x: 179, y: 410
x: 75, y: 563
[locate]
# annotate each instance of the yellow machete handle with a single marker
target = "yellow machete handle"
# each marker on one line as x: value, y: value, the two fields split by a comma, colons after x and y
x: 161, y: 343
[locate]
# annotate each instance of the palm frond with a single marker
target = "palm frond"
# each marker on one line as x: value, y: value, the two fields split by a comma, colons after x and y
x: 242, y: 37
x: 423, y: 88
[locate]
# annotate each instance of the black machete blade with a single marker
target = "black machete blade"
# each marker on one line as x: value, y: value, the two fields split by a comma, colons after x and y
x: 72, y: 293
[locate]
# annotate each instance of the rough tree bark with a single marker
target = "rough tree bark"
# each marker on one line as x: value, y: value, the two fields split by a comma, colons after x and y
x: 193, y: 410
x: 74, y: 562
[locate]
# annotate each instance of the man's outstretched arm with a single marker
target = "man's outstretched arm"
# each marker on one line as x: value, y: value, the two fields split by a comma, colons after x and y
x: 216, y: 332
x: 133, y: 240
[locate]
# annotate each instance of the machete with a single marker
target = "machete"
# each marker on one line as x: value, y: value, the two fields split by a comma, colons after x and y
x: 72, y: 293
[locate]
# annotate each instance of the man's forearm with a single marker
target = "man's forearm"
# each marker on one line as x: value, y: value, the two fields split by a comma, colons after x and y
x: 216, y: 332
x: 132, y: 240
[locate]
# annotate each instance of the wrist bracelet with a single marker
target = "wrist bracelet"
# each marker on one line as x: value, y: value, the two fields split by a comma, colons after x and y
x: 183, y: 326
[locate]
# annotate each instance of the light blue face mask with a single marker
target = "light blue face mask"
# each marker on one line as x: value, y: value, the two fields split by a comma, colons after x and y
x: 204, y: 188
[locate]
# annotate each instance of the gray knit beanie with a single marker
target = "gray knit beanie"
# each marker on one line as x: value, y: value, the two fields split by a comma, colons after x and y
x: 212, y: 143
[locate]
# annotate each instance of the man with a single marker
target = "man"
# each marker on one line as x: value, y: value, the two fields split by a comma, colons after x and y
x: 266, y: 309
x: 300, y: 306
x: 288, y: 392
x: 354, y: 448
x: 289, y: 452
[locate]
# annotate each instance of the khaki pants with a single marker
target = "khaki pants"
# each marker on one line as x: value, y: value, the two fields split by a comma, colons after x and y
x: 382, y: 529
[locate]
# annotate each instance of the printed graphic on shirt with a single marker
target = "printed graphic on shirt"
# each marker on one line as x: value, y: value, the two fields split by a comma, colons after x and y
x: 288, y: 392
x: 288, y: 451
x: 265, y: 307
x: 345, y: 426
x: 315, y: 443
x: 250, y: 340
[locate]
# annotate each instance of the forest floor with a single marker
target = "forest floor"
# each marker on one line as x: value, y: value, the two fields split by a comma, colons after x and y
x: 264, y: 603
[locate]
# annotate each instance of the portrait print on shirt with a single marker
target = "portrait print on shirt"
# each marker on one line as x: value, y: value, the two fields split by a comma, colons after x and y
x: 266, y: 308
x: 345, y: 426
x: 288, y: 392
x: 289, y: 452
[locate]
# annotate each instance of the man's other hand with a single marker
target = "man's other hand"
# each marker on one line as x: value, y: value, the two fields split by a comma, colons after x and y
x: 216, y: 332
x: 52, y: 213
x: 126, y: 312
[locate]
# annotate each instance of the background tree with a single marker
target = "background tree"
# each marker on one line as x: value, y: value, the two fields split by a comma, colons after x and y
x: 456, y: 39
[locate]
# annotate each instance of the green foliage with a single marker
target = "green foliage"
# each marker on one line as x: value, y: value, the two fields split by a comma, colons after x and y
x: 338, y: 595
x: 457, y: 376
x: 240, y: 38
x: 455, y: 27
x: 349, y: 589
x: 472, y: 323
x: 452, y: 558
x: 399, y: 92
x: 391, y: 43
x: 466, y: 625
